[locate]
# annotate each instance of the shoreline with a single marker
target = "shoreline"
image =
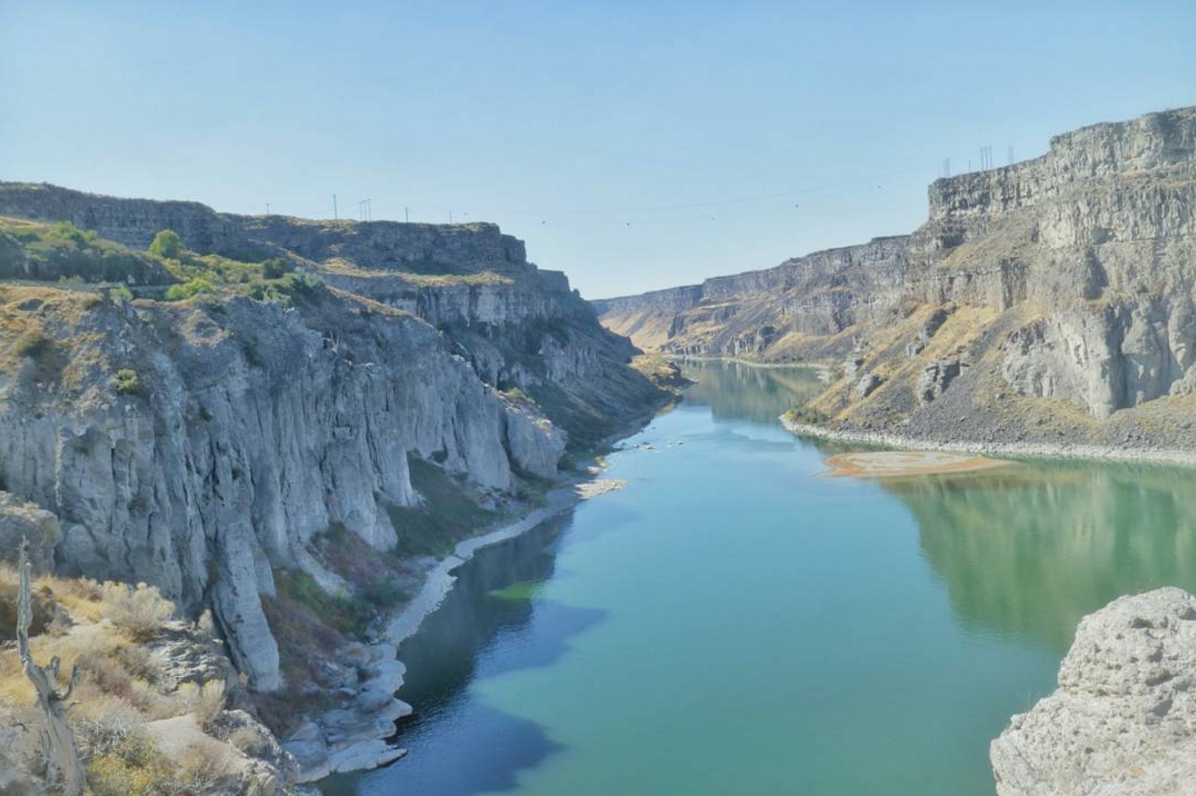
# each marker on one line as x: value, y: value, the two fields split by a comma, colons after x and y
x: 1015, y: 450
x: 370, y: 737
x: 376, y: 740
x: 819, y: 367
x: 440, y: 578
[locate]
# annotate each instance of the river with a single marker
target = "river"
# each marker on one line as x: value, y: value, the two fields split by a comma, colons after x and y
x: 732, y: 623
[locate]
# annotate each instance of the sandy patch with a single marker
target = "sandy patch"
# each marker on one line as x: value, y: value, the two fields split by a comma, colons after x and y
x: 588, y: 490
x: 895, y: 464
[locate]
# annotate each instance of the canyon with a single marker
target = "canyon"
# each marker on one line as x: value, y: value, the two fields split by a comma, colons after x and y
x: 1050, y: 299
x: 213, y: 445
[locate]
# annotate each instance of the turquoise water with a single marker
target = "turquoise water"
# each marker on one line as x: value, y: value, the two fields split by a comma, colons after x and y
x: 732, y: 624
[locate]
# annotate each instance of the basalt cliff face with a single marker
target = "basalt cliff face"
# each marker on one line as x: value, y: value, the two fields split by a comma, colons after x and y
x: 1064, y: 281
x: 202, y: 445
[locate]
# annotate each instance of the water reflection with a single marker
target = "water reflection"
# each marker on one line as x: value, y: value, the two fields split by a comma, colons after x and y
x: 1030, y: 552
x: 489, y: 611
x: 734, y: 390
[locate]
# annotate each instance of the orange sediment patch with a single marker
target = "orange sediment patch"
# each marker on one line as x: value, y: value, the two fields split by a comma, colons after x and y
x: 895, y: 464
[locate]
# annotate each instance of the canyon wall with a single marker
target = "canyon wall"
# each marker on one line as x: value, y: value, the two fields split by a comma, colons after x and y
x: 1081, y: 262
x: 249, y: 427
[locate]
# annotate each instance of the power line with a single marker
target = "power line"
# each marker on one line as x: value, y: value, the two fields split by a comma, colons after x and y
x: 365, y: 206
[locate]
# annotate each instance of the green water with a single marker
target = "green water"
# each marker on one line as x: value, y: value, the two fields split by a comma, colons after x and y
x: 731, y: 624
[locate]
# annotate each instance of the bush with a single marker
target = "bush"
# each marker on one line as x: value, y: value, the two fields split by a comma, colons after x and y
x: 383, y: 593
x: 166, y: 244
x: 126, y: 382
x: 275, y: 268
x: 102, y: 724
x: 120, y: 293
x: 133, y: 768
x: 807, y: 415
x: 190, y: 289
x: 206, y: 701
x: 205, y: 767
x: 141, y: 611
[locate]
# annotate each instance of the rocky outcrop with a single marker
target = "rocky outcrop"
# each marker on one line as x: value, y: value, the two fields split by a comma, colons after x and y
x: 868, y: 384
x: 246, y: 427
x: 21, y: 521
x: 1075, y: 272
x: 259, y: 428
x: 936, y: 378
x: 354, y: 737
x: 1123, y: 719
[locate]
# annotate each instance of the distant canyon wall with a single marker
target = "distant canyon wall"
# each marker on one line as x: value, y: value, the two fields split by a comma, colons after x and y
x: 1085, y: 255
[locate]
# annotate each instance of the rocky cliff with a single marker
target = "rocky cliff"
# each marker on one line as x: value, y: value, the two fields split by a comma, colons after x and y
x: 1123, y: 719
x: 1064, y: 281
x: 202, y: 445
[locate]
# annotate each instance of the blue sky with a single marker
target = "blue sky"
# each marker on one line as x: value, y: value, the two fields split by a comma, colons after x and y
x: 629, y: 143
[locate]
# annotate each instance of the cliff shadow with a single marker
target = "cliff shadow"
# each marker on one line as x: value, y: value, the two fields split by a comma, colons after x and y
x: 491, y: 623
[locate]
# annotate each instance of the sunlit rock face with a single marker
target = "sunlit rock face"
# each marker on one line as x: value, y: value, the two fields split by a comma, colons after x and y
x: 1123, y: 719
x: 1085, y: 256
x: 257, y: 426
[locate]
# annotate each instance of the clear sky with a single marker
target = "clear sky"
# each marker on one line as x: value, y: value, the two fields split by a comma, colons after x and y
x: 629, y: 143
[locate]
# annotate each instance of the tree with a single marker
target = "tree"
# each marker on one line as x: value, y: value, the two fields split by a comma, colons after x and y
x: 166, y: 244
x: 58, y: 743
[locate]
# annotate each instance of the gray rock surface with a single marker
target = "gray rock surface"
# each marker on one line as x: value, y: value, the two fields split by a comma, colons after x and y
x: 20, y: 519
x: 354, y: 737
x: 1123, y: 720
x: 259, y: 425
x: 1076, y: 272
x: 868, y: 384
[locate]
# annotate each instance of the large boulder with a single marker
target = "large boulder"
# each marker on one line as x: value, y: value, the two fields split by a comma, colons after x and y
x: 19, y: 520
x: 1123, y: 720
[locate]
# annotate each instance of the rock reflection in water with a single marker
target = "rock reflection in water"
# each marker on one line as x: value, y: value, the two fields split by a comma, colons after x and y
x: 738, y: 391
x: 1031, y: 551
x: 493, y: 599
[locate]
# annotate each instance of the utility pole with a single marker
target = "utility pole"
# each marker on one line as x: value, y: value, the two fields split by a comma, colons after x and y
x: 335, y: 215
x: 267, y: 208
x: 406, y: 215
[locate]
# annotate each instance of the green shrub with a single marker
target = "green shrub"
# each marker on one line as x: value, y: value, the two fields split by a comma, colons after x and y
x: 446, y: 516
x: 189, y: 289
x: 66, y: 233
x: 127, y: 382
x: 807, y: 415
x: 120, y: 293
x: 166, y: 244
x: 68, y: 255
x: 383, y: 593
x: 275, y: 268
x: 340, y: 611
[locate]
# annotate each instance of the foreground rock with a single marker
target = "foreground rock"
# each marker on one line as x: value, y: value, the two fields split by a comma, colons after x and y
x: 1123, y: 720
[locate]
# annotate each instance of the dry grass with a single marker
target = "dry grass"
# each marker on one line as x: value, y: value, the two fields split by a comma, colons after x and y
x: 121, y: 689
x: 140, y: 610
x: 205, y: 701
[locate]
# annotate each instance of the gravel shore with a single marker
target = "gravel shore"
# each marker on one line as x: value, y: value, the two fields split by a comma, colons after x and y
x: 1015, y: 450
